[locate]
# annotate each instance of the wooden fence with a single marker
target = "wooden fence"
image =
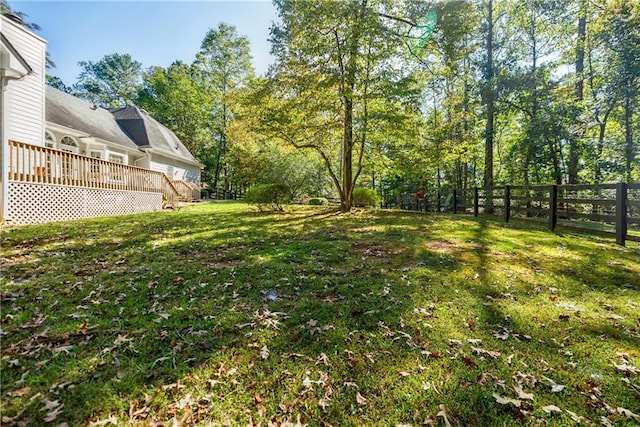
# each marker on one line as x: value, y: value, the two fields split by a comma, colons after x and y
x: 603, y: 209
x: 37, y: 164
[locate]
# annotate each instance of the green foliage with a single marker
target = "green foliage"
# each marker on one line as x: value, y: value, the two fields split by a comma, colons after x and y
x: 268, y: 162
x: 318, y: 201
x: 57, y: 83
x: 205, y: 193
x: 268, y: 196
x: 111, y: 82
x: 339, y: 86
x: 221, y: 69
x: 364, y: 197
x: 172, y: 97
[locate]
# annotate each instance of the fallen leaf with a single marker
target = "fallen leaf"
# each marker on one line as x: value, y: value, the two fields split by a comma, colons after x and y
x: 83, y: 328
x: 521, y: 394
x: 443, y: 414
x: 555, y: 387
x: 552, y: 409
x: 264, y: 352
x: 506, y: 401
x: 122, y: 339
x: 360, y: 399
x: 627, y: 369
x: 404, y: 373
x: 322, y: 359
x: 20, y: 392
x: 111, y: 420
x: 469, y: 362
x: 482, y: 351
x: 52, y: 415
x: 627, y: 413
x: 50, y: 404
x: 575, y: 417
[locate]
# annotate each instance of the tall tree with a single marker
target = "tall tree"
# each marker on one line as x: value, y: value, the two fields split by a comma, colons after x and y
x: 111, y: 82
x: 338, y: 86
x: 172, y: 97
x: 489, y: 99
x: 572, y: 169
x: 222, y: 67
x: 623, y: 40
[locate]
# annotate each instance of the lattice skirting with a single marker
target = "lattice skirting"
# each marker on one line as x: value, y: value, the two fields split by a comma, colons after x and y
x: 31, y: 203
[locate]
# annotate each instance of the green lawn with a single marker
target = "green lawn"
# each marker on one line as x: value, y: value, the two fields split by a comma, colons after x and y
x: 379, y: 318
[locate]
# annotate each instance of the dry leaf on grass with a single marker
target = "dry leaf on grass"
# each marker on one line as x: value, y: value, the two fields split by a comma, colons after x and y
x: 506, y: 400
x: 443, y: 414
x: 555, y: 387
x: 521, y: 394
x: 552, y: 409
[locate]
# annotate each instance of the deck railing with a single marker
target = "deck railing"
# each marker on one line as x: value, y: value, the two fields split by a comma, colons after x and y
x: 36, y: 164
x: 188, y: 190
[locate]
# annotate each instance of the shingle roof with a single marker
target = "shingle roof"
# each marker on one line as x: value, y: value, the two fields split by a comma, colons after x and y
x: 67, y: 110
x: 147, y: 132
x: 129, y: 127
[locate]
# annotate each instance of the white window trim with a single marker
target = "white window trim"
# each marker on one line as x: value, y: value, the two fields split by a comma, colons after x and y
x: 67, y: 147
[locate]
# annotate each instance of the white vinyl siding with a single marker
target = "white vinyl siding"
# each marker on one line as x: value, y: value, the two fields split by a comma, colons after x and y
x: 176, y: 170
x: 25, y: 98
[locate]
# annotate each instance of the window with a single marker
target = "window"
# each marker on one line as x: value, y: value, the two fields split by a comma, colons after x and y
x: 49, y: 140
x: 116, y: 158
x: 95, y: 168
x: 68, y: 144
x: 116, y: 173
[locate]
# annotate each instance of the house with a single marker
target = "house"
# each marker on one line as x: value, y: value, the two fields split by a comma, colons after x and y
x: 64, y: 158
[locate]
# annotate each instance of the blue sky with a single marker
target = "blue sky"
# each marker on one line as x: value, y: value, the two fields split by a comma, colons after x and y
x: 152, y: 32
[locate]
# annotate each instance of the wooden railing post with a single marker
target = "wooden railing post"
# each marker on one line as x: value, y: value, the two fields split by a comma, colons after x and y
x: 553, y: 207
x: 475, y: 201
x: 507, y: 202
x: 621, y: 213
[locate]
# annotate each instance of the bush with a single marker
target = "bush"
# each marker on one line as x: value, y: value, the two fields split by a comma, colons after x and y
x: 205, y: 193
x: 364, y: 197
x: 318, y: 201
x: 268, y: 196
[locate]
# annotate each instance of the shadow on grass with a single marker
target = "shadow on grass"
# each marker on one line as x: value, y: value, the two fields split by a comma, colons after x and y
x: 101, y: 317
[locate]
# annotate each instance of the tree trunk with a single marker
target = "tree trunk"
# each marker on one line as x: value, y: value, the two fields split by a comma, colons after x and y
x: 579, y: 89
x: 628, y: 132
x: 490, y: 102
x: 347, y: 156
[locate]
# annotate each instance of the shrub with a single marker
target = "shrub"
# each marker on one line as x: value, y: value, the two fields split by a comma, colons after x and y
x: 364, y: 197
x: 205, y: 193
x: 268, y: 196
x: 318, y: 201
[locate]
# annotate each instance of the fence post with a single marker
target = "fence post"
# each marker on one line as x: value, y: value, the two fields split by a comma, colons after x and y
x: 621, y: 213
x: 475, y: 201
x: 507, y: 202
x: 553, y: 207
x: 455, y: 201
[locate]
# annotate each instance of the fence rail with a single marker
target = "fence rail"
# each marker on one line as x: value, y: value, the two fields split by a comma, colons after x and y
x: 36, y: 164
x: 608, y: 209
